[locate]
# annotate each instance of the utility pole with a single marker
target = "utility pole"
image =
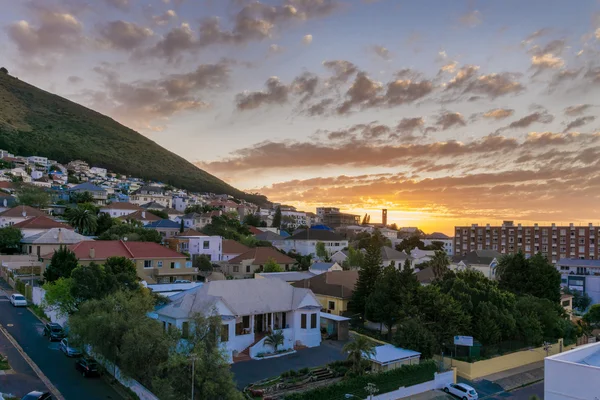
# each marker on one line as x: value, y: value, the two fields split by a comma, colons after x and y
x: 193, y: 357
x: 547, y: 347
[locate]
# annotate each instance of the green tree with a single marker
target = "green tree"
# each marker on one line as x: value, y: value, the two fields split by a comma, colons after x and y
x: 61, y: 265
x: 104, y: 223
x: 59, y: 296
x: 200, y: 209
x: 277, y: 218
x: 486, y: 328
x: 33, y: 196
x: 275, y: 340
x: 10, y: 239
x: 535, y: 276
x: 412, y: 334
x: 368, y: 275
x: 321, y: 250
x: 435, y: 245
x: 181, y: 226
x: 84, y: 221
x: 226, y: 227
x: 355, y: 259
x: 131, y: 231
x: 592, y: 317
x: 252, y: 220
x: 385, y: 301
x: 88, y: 282
x: 82, y: 197
x: 203, y: 263
x: 272, y: 266
x: 408, y: 244
x: 121, y: 274
x: 439, y: 263
x: 159, y: 213
x: 360, y: 347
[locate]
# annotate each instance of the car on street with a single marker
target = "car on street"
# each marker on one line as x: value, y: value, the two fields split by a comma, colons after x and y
x: 54, y: 331
x: 69, y: 350
x: 87, y: 367
x: 37, y: 396
x: 462, y: 391
x: 18, y: 300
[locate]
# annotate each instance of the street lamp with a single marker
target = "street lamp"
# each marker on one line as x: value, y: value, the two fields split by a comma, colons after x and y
x: 193, y: 357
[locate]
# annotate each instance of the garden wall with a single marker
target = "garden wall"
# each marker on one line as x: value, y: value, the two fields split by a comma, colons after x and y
x: 132, y: 384
x: 440, y: 380
x: 261, y: 347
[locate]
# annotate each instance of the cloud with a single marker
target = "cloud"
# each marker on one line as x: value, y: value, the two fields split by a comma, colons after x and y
x: 275, y: 93
x: 363, y: 92
x: 579, y: 122
x: 573, y: 111
x: 381, y: 52
x: 320, y: 108
x: 499, y: 113
x: 176, y: 41
x: 164, y: 18
x: 410, y: 124
x: 307, y: 39
x: 123, y: 35
x: 471, y: 19
x: 563, y: 76
x: 449, y: 67
x: 275, y: 49
x: 541, y: 117
x: 343, y: 70
x: 75, y: 80
x: 468, y: 81
x: 546, y: 61
x: 407, y: 91
x: 447, y: 120
x: 535, y: 35
x: 123, y: 5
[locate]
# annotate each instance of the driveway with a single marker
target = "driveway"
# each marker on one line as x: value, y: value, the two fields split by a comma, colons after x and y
x: 248, y: 372
x: 60, y: 370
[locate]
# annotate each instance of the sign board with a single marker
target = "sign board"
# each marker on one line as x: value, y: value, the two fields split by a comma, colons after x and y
x: 463, y: 340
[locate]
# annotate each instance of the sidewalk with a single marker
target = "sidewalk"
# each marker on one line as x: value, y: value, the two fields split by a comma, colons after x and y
x: 517, y: 377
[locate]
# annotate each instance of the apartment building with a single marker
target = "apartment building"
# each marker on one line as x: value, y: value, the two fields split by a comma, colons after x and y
x: 554, y: 242
x: 331, y: 216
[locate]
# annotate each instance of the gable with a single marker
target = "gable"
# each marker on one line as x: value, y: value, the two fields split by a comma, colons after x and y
x: 309, y: 300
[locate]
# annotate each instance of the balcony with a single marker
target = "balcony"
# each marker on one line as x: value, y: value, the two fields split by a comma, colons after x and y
x: 174, y: 271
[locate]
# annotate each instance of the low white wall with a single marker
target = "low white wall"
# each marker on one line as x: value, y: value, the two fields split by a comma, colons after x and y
x: 38, y: 299
x: 261, y: 347
x: 439, y: 381
x: 135, y: 386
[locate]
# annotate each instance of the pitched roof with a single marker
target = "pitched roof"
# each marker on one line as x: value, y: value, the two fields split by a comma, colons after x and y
x: 268, y: 235
x: 569, y: 262
x: 104, y: 249
x: 322, y: 266
x: 254, y: 230
x: 55, y: 236
x: 191, y: 232
x: 316, y: 234
x: 290, y: 276
x: 240, y: 296
x: 153, y: 206
x: 335, y: 283
x: 233, y: 247
x: 120, y: 205
x: 478, y: 257
x: 41, y: 222
x: 261, y: 255
x: 388, y: 352
x: 387, y: 253
x: 437, y: 236
x: 163, y: 223
x: 425, y: 275
x: 22, y: 212
x: 141, y: 215
x: 87, y: 187
x: 172, y: 211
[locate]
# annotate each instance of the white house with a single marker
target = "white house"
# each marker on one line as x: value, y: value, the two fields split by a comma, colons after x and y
x: 305, y: 242
x: 296, y: 218
x: 484, y: 261
x: 119, y: 209
x: 322, y: 267
x: 35, y: 174
x: 249, y: 310
x: 573, y: 375
x: 421, y: 256
x: 98, y: 171
x: 440, y: 237
x: 18, y: 214
x: 38, y: 160
x: 581, y: 275
x: 210, y: 246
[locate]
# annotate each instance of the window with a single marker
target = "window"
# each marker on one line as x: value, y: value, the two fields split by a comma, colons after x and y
x: 147, y: 263
x: 236, y: 268
x: 159, y: 264
x: 313, y: 321
x: 185, y: 330
x: 247, y: 268
x: 224, y: 333
x: 172, y: 265
x: 566, y: 303
x: 206, y: 244
x: 563, y: 232
x: 331, y: 305
x: 30, y: 250
x: 302, y: 321
x: 188, y: 264
x: 582, y: 232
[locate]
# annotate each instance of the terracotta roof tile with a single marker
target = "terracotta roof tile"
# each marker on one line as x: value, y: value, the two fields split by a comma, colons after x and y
x: 233, y: 247
x: 141, y: 215
x: 41, y: 222
x: 261, y: 255
x: 19, y: 210
x: 104, y: 249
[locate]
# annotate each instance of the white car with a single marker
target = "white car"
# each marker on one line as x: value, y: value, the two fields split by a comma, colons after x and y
x: 461, y: 390
x: 68, y: 350
x: 18, y: 300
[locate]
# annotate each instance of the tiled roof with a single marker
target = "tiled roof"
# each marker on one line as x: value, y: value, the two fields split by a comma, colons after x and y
x: 120, y: 205
x: 18, y: 211
x: 55, y: 236
x: 163, y: 223
x: 87, y: 187
x: 191, y: 232
x: 478, y: 257
x: 254, y: 230
x: 41, y: 222
x: 261, y: 255
x: 336, y: 283
x: 233, y: 247
x: 316, y: 234
x: 141, y: 215
x: 437, y: 236
x: 268, y: 235
x: 104, y: 249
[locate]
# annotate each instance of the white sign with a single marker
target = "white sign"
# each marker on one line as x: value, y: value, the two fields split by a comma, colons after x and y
x: 463, y: 340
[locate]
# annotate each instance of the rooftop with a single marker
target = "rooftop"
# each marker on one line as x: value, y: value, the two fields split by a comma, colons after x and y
x: 163, y: 223
x: 322, y: 266
x: 389, y: 353
x: 268, y: 235
x: 190, y: 232
x: 335, y: 283
x: 233, y: 247
x: 86, y: 187
x: 387, y: 253
x: 141, y: 215
x: 478, y: 257
x: 292, y: 276
x: 436, y: 236
x: 262, y: 255
x: 41, y: 222
x: 569, y: 262
x: 104, y: 249
x: 122, y: 205
x: 23, y: 212
x: 55, y: 236
x: 316, y: 234
x: 153, y: 206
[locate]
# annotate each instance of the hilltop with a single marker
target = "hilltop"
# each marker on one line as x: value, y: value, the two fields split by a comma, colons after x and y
x: 36, y: 122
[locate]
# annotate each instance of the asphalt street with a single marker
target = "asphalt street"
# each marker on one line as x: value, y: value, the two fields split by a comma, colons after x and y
x: 27, y: 330
x: 491, y: 391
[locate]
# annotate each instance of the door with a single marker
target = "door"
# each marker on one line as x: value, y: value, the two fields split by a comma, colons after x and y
x: 258, y: 323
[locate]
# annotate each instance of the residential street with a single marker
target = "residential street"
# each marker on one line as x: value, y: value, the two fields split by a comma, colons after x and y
x: 27, y: 330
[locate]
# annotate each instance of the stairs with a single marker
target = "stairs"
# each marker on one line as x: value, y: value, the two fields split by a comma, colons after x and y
x: 245, y: 354
x: 322, y: 373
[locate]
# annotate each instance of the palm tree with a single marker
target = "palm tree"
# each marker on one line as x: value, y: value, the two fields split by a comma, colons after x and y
x: 360, y: 347
x: 439, y: 263
x: 275, y: 339
x: 84, y: 221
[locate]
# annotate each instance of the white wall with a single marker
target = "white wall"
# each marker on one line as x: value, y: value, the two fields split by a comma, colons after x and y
x: 135, y: 386
x: 309, y: 337
x: 115, y: 213
x: 564, y: 379
x: 261, y: 347
x: 439, y: 381
x: 306, y: 247
x: 215, y: 246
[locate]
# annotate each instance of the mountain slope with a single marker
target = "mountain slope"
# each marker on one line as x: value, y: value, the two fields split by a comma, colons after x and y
x: 35, y: 122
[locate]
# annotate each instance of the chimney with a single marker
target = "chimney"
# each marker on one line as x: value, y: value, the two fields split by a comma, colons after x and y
x: 92, y: 253
x: 143, y: 214
x: 60, y: 235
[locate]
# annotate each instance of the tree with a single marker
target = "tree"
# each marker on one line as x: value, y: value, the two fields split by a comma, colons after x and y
x: 82, y: 197
x: 439, y: 263
x: 200, y: 209
x: 408, y: 244
x: 535, y: 276
x: 84, y: 221
x: 88, y: 282
x: 435, y: 245
x: 104, y: 223
x: 33, y: 196
x: 592, y: 317
x: 4, y: 70
x: 202, y: 262
x: 360, y: 347
x: 321, y: 250
x: 367, y: 277
x: 412, y: 334
x: 384, y: 302
x: 63, y: 262
x: 132, y: 232
x: 159, y: 213
x: 121, y: 274
x: 277, y: 218
x: 59, y: 296
x: 581, y: 300
x: 252, y: 220
x: 10, y: 239
x: 272, y: 266
x: 394, y: 226
x: 275, y: 340
x: 355, y: 259
x: 181, y: 226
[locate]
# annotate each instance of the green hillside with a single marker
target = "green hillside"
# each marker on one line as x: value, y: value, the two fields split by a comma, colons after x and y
x: 35, y: 122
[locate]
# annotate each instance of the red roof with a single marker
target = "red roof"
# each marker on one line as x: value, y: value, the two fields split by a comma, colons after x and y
x: 233, y: 247
x: 190, y: 232
x: 41, y: 222
x: 254, y: 230
x: 23, y: 212
x: 261, y: 255
x: 104, y: 249
x: 6, y: 185
x: 141, y: 215
x: 121, y: 206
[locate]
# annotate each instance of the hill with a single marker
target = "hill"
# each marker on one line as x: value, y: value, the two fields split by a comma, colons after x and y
x: 36, y: 122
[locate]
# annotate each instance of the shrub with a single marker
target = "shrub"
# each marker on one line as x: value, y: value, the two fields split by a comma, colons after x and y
x: 303, y: 371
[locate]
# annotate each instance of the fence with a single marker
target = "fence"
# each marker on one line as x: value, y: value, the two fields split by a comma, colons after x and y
x: 131, y: 384
x: 440, y: 380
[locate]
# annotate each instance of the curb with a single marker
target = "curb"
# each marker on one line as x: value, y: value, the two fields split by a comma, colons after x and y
x: 33, y: 365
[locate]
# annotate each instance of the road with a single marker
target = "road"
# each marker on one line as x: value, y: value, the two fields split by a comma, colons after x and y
x: 27, y: 330
x: 491, y: 391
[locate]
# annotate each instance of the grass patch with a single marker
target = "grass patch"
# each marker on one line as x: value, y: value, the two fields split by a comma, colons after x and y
x: 39, y: 311
x: 4, y: 365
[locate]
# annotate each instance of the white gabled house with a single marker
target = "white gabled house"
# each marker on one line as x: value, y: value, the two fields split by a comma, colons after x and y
x: 250, y: 309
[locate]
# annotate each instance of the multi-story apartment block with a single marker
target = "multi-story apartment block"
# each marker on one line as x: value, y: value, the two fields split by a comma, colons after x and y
x: 331, y: 216
x: 554, y: 242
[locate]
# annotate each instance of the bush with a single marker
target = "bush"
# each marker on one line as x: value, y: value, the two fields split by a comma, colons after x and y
x: 303, y: 371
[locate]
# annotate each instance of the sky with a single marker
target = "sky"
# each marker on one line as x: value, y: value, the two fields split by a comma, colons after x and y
x: 444, y: 112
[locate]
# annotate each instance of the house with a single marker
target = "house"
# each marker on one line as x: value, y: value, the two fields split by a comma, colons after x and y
x: 43, y: 161
x: 6, y: 201
x: 572, y: 374
x: 332, y: 289
x: 98, y: 171
x: 425, y: 276
x: 289, y: 277
x: 18, y: 214
x: 48, y: 241
x: 196, y: 243
x: 196, y: 220
x: 305, y: 242
x: 249, y: 310
x: 99, y: 194
x: 566, y: 301
x: 153, y: 205
x: 142, y: 216
x: 447, y: 241
x: 581, y: 275
x: 484, y: 261
x: 147, y: 194
x: 421, y: 256
x: 322, y: 267
x: 340, y: 256
x: 165, y: 227
x: 39, y: 224
x: 388, y: 357
x: 269, y: 236
x: 253, y: 260
x: 119, y: 209
x: 154, y: 263
x: 389, y: 255
x: 388, y: 233
x: 232, y: 249
x: 173, y: 214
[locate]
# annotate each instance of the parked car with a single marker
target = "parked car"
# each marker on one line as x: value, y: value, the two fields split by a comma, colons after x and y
x: 87, y: 366
x: 68, y: 350
x: 54, y: 331
x: 37, y: 396
x: 18, y: 300
x: 465, y: 392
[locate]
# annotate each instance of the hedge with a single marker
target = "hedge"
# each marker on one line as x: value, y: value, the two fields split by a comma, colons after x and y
x: 386, y: 382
